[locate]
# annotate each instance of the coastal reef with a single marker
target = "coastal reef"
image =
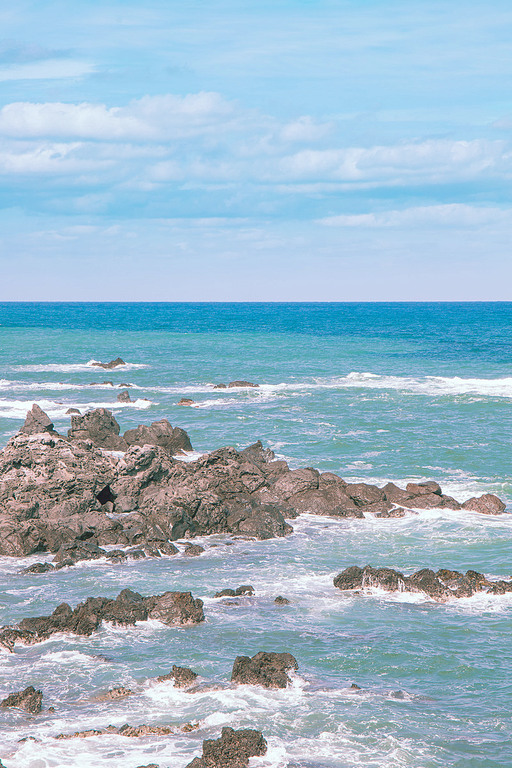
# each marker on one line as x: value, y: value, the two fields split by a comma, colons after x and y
x: 441, y: 585
x: 72, y: 495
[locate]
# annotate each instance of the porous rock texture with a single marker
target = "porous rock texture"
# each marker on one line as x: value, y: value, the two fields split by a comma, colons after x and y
x: 183, y: 677
x: 74, y: 495
x: 441, y: 585
x: 266, y: 669
x: 171, y: 608
x: 232, y: 750
x: 30, y: 700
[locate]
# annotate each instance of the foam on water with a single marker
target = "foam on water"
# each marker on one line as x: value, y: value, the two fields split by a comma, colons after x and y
x: 75, y: 367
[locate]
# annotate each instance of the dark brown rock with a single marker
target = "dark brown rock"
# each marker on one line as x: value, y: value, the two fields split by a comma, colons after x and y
x: 440, y: 586
x: 117, y: 693
x: 171, y: 608
x: 186, y: 401
x: 487, y: 504
x: 232, y: 750
x: 112, y: 364
x: 420, y: 489
x: 193, y: 550
x: 172, y: 439
x: 29, y: 700
x: 280, y: 600
x: 39, y: 568
x: 72, y: 410
x: 124, y: 397
x: 220, y: 386
x: 182, y: 676
x: 233, y: 384
x: 37, y: 422
x: 100, y: 427
x: 244, y: 589
x: 265, y: 669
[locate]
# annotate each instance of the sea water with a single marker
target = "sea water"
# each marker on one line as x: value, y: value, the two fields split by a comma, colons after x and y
x: 373, y: 392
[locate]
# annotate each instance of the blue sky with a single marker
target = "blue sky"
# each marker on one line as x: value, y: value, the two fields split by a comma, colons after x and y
x: 255, y: 150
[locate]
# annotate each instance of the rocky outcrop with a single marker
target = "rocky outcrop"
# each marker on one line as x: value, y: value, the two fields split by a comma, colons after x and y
x: 440, y: 586
x: 186, y: 401
x: 37, y: 422
x: 29, y: 700
x: 112, y: 364
x: 124, y: 397
x: 171, y: 608
x: 245, y: 589
x: 181, y: 676
x: 234, y: 384
x: 232, y: 750
x: 73, y: 496
x: 131, y: 731
x: 266, y: 669
x: 280, y: 600
x: 488, y: 504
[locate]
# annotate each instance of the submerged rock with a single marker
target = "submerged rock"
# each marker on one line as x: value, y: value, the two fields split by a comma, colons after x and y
x: 233, y: 384
x: 440, y: 586
x: 29, y: 700
x: 244, y: 589
x: 171, y: 608
x: 280, y: 600
x: 265, y: 669
x: 186, y: 401
x: 232, y: 750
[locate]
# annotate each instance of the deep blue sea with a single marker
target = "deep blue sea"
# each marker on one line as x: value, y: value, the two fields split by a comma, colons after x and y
x: 373, y: 392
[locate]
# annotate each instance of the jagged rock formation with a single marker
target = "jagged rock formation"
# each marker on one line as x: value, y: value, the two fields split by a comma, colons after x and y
x: 183, y: 677
x: 37, y: 422
x: 245, y: 589
x: 30, y: 700
x: 266, y: 669
x: 112, y: 364
x: 171, y: 608
x: 441, y: 585
x: 232, y: 750
x: 72, y: 496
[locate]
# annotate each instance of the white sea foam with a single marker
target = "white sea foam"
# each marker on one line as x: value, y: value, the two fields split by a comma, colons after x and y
x: 17, y: 409
x: 73, y: 367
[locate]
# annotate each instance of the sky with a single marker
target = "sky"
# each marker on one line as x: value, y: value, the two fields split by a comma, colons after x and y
x: 264, y: 150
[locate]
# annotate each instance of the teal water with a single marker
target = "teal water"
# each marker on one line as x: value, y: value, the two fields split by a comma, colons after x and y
x: 373, y: 392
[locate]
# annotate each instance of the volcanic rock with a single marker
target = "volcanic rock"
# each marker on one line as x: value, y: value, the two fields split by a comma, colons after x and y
x: 441, y: 585
x: 182, y: 676
x: 39, y: 568
x: 241, y: 384
x: 171, y: 608
x: 487, y: 504
x: 193, y: 550
x: 112, y: 364
x: 117, y: 693
x: 124, y: 397
x: 172, y: 439
x: 99, y: 426
x: 186, y: 401
x: 245, y: 589
x: 37, y: 422
x: 265, y: 669
x: 280, y: 600
x: 30, y: 700
x: 232, y: 750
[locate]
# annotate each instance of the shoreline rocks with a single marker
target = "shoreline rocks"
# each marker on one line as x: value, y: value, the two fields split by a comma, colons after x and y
x: 108, y: 366
x: 73, y: 495
x: 266, y: 669
x: 440, y: 586
x: 232, y: 750
x: 171, y: 608
x: 29, y: 700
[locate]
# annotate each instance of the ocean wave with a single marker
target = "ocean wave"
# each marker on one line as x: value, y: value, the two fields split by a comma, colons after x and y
x: 74, y: 367
x: 17, y: 409
x: 6, y: 384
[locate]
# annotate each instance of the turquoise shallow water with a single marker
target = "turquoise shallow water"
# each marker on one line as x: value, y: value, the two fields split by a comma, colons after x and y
x: 373, y: 392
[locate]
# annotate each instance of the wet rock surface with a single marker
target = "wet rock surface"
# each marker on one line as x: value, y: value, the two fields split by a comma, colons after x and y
x: 183, y: 677
x: 112, y: 364
x: 232, y: 750
x: 244, y: 589
x: 266, y: 669
x: 171, y: 608
x: 73, y: 496
x: 441, y: 585
x: 29, y: 700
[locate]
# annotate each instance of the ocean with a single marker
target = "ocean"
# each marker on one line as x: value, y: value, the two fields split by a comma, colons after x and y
x: 373, y: 392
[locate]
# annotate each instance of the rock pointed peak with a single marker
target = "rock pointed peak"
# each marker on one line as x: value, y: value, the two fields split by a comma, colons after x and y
x: 36, y: 422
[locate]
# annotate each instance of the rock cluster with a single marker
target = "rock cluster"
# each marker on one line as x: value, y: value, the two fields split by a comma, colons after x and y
x: 236, y: 384
x: 171, y: 608
x: 72, y: 496
x: 266, y: 669
x: 182, y: 677
x: 245, y: 589
x: 232, y: 750
x: 112, y: 364
x: 441, y: 585
x: 30, y: 700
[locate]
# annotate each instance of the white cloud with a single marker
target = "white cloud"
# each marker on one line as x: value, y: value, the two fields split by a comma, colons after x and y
x: 305, y: 129
x: 52, y: 69
x: 150, y: 118
x: 452, y: 215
